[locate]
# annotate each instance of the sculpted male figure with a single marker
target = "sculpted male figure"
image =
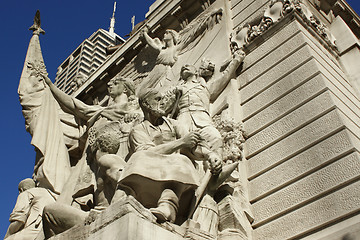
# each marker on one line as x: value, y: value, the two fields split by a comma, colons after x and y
x: 25, y: 220
x: 157, y: 175
x: 196, y: 94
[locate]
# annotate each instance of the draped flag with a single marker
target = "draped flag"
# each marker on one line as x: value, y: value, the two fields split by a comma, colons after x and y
x: 42, y: 120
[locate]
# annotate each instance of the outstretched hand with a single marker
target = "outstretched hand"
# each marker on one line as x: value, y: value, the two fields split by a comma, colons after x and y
x: 218, y: 14
x: 46, y: 79
x: 144, y: 31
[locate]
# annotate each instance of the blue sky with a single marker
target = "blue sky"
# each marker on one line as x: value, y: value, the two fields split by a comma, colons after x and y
x: 67, y: 24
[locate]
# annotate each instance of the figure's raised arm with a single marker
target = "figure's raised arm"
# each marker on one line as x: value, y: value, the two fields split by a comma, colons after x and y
x: 77, y: 107
x: 59, y: 95
x: 217, y: 85
x: 150, y: 41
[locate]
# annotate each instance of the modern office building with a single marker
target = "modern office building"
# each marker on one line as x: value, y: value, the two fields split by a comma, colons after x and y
x: 86, y: 58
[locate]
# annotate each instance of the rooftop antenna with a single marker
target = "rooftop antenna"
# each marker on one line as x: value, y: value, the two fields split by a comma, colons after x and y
x: 112, y: 22
x: 132, y: 22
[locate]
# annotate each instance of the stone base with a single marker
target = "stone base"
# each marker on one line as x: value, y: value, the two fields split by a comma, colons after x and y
x: 129, y: 220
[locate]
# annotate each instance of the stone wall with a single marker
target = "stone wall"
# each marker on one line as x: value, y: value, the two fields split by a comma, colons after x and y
x: 301, y: 117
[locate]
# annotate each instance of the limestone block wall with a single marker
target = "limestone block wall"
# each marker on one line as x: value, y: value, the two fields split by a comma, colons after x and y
x: 301, y: 117
x: 245, y: 11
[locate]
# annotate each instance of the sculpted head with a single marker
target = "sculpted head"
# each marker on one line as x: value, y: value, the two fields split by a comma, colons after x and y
x: 171, y: 35
x: 206, y: 69
x: 187, y: 71
x: 26, y: 184
x: 107, y: 137
x: 120, y: 85
x: 152, y: 102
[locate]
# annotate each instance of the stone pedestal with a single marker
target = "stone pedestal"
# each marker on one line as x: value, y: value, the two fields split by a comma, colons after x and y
x: 129, y: 220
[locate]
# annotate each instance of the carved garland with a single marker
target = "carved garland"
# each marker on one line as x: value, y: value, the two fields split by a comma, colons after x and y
x: 233, y: 138
x: 276, y: 11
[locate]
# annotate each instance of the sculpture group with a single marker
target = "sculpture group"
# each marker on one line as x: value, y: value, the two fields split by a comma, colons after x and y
x: 156, y: 142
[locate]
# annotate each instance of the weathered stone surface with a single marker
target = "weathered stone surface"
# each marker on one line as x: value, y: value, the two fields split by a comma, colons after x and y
x: 107, y: 217
x: 286, y: 104
x: 308, y: 189
x: 248, y: 10
x: 267, y: 62
x: 338, y: 82
x: 349, y: 228
x: 345, y: 38
x: 329, y: 61
x: 290, y: 123
x: 295, y: 143
x: 129, y: 220
x: 348, y: 46
x: 318, y: 51
x: 282, y: 85
x: 285, y: 34
x: 297, y: 118
x: 323, y: 153
x: 131, y: 227
x: 320, y: 47
x: 275, y: 73
x: 231, y: 216
x: 334, y: 71
x: 312, y: 216
x: 301, y: 120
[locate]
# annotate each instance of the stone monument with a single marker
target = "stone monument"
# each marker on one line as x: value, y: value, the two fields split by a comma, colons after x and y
x: 223, y: 119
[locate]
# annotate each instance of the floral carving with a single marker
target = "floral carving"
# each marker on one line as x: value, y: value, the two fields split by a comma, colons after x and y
x: 277, y: 10
x: 37, y: 68
x: 233, y: 136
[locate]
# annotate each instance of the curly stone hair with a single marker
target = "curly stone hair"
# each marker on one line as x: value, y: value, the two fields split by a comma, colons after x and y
x: 108, y: 138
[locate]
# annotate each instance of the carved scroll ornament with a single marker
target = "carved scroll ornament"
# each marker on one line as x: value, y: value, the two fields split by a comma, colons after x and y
x: 276, y: 11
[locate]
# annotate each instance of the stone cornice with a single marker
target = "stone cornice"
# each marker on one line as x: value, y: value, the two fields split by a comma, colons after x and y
x: 277, y: 12
x: 343, y: 9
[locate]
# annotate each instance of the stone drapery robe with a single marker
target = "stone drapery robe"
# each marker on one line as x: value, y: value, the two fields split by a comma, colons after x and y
x: 148, y: 173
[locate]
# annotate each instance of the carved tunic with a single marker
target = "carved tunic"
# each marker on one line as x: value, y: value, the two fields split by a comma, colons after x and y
x: 194, y: 113
x: 194, y: 104
x: 28, y: 209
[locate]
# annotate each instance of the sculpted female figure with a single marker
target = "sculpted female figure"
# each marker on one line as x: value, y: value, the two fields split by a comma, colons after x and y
x: 173, y: 45
x: 166, y: 58
x: 95, y: 176
x: 123, y: 109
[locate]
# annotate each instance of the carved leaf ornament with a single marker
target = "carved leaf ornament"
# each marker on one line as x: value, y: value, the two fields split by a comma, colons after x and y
x: 37, y: 68
x: 277, y: 10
